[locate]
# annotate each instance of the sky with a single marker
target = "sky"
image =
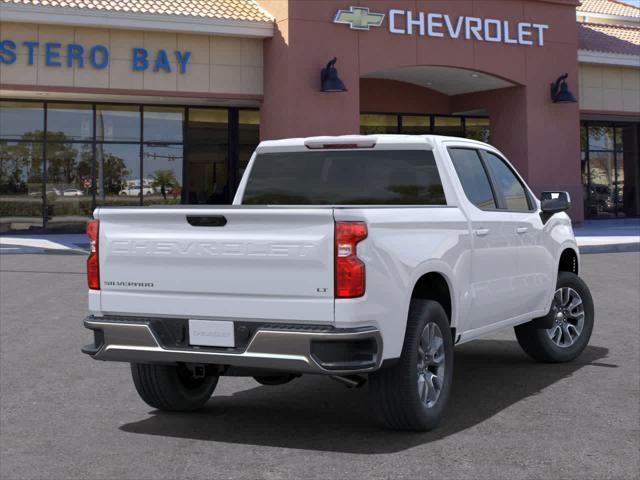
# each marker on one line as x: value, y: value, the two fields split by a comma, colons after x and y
x: 635, y: 3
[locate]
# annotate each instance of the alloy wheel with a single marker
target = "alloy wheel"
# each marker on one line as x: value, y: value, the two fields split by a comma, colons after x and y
x: 431, y: 364
x: 568, y: 313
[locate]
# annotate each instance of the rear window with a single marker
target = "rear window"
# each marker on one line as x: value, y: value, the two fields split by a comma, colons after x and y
x: 353, y: 177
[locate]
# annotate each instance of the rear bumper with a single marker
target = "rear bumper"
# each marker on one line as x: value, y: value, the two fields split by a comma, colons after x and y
x: 291, y: 348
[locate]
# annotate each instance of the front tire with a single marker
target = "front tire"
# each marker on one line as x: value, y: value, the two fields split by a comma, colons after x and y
x: 571, y: 319
x: 172, y: 388
x: 413, y: 393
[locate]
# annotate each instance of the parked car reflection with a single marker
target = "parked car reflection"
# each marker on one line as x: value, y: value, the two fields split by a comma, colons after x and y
x: 601, y: 200
x: 72, y: 192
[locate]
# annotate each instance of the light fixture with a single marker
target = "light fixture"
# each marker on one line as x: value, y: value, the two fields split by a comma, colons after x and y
x: 475, y: 75
x: 560, y: 92
x: 329, y: 80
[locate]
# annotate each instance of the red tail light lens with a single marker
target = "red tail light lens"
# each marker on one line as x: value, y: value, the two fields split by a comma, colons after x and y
x: 350, y: 270
x: 93, y: 267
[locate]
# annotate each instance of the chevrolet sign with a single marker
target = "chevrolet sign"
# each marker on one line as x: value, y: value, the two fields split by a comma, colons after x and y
x: 359, y: 18
x: 440, y: 25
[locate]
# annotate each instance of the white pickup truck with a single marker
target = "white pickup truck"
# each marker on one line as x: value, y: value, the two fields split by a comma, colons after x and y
x: 366, y: 258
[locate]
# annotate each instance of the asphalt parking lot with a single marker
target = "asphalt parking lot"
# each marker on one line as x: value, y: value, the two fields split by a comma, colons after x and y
x: 64, y: 415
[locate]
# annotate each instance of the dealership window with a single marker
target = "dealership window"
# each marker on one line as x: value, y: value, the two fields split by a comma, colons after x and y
x: 610, y: 169
x: 162, y: 173
x: 248, y: 138
x: 117, y: 123
x: 207, y: 156
x: 21, y: 185
x: 59, y: 160
x: 117, y: 174
x: 21, y: 120
x: 477, y: 128
x: 163, y: 124
x: 449, y: 126
x: 415, y: 124
x: 69, y: 122
x: 68, y: 197
x: 371, y: 123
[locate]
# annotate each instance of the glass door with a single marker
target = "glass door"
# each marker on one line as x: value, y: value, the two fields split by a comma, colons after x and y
x: 610, y: 169
x: 207, y: 162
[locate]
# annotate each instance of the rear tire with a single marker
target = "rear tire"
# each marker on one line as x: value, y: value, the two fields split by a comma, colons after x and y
x: 172, y: 387
x: 413, y: 393
x: 572, y: 319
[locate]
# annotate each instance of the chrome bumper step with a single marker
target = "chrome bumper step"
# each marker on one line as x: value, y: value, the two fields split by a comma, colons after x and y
x: 291, y: 348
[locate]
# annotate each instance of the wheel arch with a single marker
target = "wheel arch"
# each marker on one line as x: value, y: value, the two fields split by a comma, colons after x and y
x: 436, y: 286
x: 569, y: 261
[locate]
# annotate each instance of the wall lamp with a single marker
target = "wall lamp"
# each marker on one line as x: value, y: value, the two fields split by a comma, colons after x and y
x: 329, y: 80
x: 560, y: 92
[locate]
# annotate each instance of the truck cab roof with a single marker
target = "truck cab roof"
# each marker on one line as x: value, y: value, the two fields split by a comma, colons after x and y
x: 427, y: 142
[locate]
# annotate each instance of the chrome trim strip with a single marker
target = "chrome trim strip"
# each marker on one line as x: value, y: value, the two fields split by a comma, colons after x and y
x: 286, y: 350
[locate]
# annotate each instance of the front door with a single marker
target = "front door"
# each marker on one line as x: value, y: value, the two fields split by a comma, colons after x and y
x: 535, y: 262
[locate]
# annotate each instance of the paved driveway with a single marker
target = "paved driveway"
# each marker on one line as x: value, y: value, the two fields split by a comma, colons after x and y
x: 64, y: 415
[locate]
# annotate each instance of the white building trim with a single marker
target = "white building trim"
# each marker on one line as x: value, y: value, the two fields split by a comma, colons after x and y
x: 134, y: 21
x: 589, y: 17
x: 604, y: 58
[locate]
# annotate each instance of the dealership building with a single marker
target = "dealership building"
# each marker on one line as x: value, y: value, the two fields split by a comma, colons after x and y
x: 135, y: 102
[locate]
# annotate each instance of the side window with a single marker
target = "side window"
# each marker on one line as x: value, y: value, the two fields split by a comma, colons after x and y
x: 473, y: 177
x: 510, y: 188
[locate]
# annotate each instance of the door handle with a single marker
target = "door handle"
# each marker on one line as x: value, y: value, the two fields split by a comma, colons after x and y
x: 482, y: 232
x: 206, y: 221
x: 522, y: 230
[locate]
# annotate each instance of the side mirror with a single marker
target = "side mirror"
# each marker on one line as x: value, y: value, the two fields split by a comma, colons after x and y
x: 555, y: 202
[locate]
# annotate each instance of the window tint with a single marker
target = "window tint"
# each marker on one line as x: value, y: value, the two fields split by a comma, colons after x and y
x: 349, y: 177
x: 21, y: 120
x: 473, y: 177
x: 118, y: 123
x: 162, y: 124
x: 513, y: 192
x: 67, y: 121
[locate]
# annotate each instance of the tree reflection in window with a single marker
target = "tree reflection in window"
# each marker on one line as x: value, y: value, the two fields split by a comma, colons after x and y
x: 20, y: 168
x: 69, y: 166
x: 118, y: 174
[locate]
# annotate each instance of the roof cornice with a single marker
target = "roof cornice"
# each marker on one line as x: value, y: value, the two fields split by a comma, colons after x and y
x: 633, y: 21
x: 134, y: 21
x: 607, y: 58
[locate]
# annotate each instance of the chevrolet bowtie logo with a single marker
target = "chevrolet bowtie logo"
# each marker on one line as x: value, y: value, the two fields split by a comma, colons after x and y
x: 359, y: 18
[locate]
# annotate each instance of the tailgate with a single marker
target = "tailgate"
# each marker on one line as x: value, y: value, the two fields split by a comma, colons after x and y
x: 241, y: 263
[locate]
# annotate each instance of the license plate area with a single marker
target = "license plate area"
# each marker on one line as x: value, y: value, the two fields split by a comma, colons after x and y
x: 211, y: 333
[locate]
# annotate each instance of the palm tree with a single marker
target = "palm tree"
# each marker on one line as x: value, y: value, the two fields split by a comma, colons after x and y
x: 164, y: 179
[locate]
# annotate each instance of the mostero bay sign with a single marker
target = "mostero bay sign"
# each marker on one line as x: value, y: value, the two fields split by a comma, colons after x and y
x: 442, y: 25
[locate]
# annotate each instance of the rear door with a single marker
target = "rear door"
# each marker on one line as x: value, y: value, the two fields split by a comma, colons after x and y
x: 495, y: 274
x: 239, y: 262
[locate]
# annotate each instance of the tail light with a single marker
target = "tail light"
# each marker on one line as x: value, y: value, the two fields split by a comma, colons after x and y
x: 93, y: 267
x: 350, y: 271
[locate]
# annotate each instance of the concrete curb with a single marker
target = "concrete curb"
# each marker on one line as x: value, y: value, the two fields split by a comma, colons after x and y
x: 617, y: 248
